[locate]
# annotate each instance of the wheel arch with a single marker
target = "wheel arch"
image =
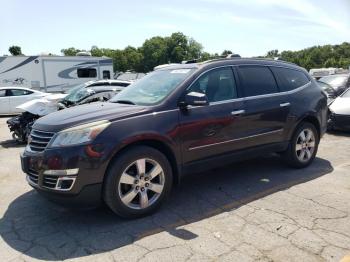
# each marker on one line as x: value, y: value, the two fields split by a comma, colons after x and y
x: 159, y: 145
x: 313, y: 120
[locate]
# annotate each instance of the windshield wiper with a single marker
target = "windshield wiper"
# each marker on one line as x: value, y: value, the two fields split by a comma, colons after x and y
x: 128, y: 102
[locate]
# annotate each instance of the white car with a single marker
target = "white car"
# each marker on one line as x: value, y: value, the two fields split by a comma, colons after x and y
x: 339, y: 109
x: 11, y: 97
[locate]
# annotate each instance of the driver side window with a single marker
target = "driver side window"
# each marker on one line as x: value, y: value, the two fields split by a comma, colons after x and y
x: 217, y: 85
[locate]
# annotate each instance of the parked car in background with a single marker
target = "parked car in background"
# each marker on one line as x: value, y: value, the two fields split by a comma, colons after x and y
x: 21, y: 125
x: 328, y: 89
x: 118, y: 84
x: 317, y: 73
x: 84, y: 95
x: 184, y: 118
x: 339, y: 112
x: 11, y: 97
x: 339, y: 83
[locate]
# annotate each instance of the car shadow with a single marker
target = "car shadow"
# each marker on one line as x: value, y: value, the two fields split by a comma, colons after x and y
x: 43, y: 230
x: 11, y: 143
x: 338, y: 133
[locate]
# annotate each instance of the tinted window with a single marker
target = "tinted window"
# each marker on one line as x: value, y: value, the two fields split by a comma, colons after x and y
x: 119, y: 84
x: 289, y: 79
x: 106, y: 74
x: 2, y: 93
x: 86, y: 72
x: 19, y: 92
x: 257, y: 80
x: 217, y: 84
x: 99, y: 84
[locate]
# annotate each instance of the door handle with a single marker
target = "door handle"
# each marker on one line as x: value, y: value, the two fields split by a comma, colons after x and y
x: 237, y: 112
x: 285, y: 104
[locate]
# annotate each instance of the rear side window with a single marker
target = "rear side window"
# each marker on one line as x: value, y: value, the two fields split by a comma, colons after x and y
x: 289, y: 79
x: 257, y: 80
x: 86, y: 72
x: 2, y: 93
x: 19, y: 92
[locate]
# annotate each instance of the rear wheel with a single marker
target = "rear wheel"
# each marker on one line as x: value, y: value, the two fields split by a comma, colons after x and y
x: 303, y: 146
x: 137, y: 182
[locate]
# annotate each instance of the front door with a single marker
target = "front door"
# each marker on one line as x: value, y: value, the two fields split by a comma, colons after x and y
x: 210, y: 130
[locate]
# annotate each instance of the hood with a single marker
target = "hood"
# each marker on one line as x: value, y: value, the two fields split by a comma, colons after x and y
x: 42, y: 106
x: 88, y: 113
x: 341, y: 106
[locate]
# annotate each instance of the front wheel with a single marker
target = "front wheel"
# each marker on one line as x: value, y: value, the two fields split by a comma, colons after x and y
x: 137, y: 182
x: 303, y: 146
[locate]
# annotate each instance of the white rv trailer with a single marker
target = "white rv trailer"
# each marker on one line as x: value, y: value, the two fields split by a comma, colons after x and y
x: 52, y: 73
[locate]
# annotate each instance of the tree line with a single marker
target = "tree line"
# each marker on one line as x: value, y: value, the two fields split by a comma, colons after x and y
x: 317, y: 56
x: 178, y: 47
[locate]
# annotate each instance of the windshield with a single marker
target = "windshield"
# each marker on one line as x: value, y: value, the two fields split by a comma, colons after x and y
x: 79, y: 93
x: 346, y: 93
x: 152, y: 88
x: 127, y: 76
x: 334, y: 80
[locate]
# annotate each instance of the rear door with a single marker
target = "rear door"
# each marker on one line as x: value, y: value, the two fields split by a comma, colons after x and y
x: 4, y: 102
x: 18, y: 97
x: 267, y: 109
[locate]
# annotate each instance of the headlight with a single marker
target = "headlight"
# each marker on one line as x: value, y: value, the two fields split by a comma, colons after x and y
x: 79, y: 134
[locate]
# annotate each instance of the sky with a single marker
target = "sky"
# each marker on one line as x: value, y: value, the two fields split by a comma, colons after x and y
x: 246, y: 27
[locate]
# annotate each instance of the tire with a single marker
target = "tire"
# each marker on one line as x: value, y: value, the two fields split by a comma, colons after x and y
x: 130, y: 180
x: 294, y: 157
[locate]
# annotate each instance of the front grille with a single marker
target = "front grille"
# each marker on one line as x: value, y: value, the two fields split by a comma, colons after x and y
x: 33, y: 176
x: 39, y: 140
x: 50, y: 181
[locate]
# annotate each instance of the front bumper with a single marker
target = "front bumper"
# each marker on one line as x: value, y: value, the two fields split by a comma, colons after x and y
x: 80, y: 188
x: 339, y: 122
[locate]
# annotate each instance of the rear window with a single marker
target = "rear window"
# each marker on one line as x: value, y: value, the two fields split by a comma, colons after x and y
x: 289, y: 79
x: 87, y: 72
x: 346, y: 93
x: 257, y: 80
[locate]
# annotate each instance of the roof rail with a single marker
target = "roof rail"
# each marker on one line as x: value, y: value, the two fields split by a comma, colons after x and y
x: 192, y: 61
x: 233, y: 56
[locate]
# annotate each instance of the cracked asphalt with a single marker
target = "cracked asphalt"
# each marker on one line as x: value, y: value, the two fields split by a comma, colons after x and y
x: 257, y: 210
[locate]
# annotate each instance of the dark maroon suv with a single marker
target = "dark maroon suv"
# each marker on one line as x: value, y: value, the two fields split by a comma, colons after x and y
x: 179, y: 119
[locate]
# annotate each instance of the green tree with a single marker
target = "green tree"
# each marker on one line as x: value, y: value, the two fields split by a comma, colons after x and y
x: 15, y: 50
x: 273, y: 53
x: 226, y: 52
x: 95, y: 51
x: 194, y: 49
x: 71, y: 51
x: 155, y: 52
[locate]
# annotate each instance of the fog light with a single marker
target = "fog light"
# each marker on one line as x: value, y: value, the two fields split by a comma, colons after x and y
x: 64, y: 172
x: 65, y: 183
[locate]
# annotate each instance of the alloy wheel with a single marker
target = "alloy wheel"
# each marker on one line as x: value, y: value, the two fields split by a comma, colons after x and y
x: 305, y: 145
x: 141, y: 183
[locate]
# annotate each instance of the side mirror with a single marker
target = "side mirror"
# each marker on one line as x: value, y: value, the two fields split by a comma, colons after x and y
x: 195, y: 99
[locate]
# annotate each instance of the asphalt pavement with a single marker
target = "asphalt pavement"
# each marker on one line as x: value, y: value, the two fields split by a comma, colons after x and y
x: 256, y: 210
